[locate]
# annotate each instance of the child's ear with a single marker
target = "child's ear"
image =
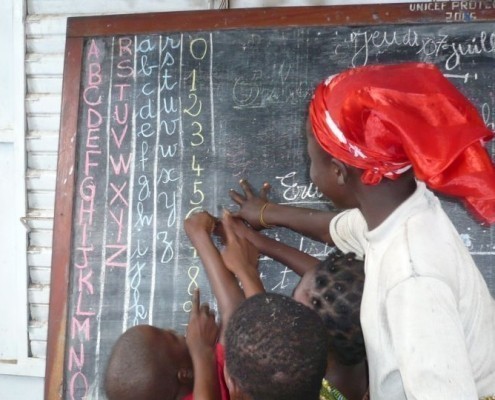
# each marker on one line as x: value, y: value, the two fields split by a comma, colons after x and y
x: 185, y: 375
x: 340, y: 170
x: 235, y: 391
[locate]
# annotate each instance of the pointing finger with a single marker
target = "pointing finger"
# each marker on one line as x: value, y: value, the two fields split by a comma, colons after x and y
x: 195, y: 302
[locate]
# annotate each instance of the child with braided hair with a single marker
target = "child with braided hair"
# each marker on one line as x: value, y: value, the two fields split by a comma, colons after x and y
x: 378, y: 136
x: 333, y: 288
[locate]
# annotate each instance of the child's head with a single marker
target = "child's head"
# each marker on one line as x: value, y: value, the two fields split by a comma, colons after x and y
x: 275, y: 348
x: 334, y: 289
x: 386, y: 120
x: 149, y: 363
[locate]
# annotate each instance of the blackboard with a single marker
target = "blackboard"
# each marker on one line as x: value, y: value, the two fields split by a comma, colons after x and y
x: 163, y: 113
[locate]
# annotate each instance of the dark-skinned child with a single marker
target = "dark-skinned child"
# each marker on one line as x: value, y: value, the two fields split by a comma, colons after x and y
x: 150, y: 363
x: 332, y: 287
x: 274, y: 349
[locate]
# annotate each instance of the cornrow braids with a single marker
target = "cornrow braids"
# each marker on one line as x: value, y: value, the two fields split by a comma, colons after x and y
x: 276, y: 348
x: 336, y: 297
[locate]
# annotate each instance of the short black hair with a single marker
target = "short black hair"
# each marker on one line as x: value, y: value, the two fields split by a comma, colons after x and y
x: 276, y: 348
x: 138, y: 368
x: 336, y: 297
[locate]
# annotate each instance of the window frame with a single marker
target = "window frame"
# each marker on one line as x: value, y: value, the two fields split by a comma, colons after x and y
x: 13, y: 132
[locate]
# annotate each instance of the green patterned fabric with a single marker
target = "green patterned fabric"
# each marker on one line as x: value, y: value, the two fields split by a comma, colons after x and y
x: 327, y: 392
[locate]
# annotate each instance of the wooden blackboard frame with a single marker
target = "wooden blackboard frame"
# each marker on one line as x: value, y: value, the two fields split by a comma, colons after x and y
x: 80, y: 28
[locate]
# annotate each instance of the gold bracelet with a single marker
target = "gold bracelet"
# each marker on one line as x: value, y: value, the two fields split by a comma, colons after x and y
x: 262, y: 221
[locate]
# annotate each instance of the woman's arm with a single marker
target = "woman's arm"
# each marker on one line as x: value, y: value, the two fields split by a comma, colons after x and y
x: 260, y: 213
x: 298, y: 261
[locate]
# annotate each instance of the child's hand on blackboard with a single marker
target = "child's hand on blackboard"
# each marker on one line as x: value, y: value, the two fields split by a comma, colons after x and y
x: 239, y: 254
x: 200, y: 222
x: 202, y: 330
x: 238, y: 225
x: 251, y: 205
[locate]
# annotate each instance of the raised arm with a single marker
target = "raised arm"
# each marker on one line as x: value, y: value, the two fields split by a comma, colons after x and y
x: 201, y: 337
x: 298, y: 261
x: 241, y: 256
x: 223, y: 283
x: 260, y: 213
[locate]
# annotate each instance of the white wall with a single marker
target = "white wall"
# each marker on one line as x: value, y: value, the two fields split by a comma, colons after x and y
x: 45, y: 41
x: 14, y: 387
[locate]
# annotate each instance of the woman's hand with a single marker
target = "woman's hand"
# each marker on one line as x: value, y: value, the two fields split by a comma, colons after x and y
x: 250, y: 205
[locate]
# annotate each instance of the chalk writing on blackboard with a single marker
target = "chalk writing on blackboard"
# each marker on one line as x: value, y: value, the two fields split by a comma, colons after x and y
x: 170, y: 121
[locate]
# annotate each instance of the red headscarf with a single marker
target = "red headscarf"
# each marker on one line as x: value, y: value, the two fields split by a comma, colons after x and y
x: 385, y: 119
